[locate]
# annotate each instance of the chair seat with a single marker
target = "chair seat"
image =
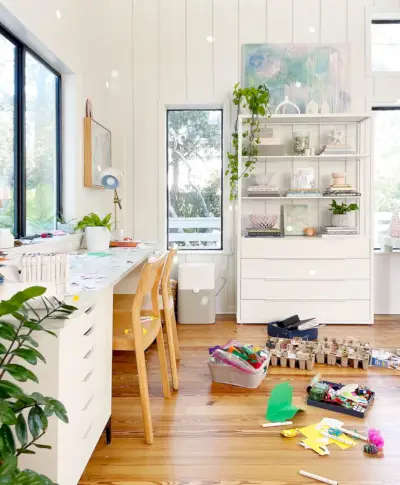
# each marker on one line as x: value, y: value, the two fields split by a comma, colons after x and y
x: 123, y: 329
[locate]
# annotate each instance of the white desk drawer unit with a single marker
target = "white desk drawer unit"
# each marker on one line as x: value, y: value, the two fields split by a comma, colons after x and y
x: 313, y: 277
x: 78, y: 373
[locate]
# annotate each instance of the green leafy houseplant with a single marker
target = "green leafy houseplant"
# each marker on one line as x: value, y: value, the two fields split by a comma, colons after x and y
x: 24, y: 417
x: 341, y: 209
x: 93, y: 220
x: 256, y: 99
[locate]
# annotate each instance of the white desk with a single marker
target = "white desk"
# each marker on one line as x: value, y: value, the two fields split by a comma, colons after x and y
x: 79, y: 366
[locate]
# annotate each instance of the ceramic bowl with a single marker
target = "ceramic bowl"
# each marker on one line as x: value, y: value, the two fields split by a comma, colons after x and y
x: 263, y: 222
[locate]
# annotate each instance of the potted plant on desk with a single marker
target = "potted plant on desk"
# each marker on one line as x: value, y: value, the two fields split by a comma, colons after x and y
x: 340, y: 213
x: 97, y: 231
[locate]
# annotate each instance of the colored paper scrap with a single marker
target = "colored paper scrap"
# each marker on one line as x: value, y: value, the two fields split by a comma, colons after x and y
x: 280, y: 406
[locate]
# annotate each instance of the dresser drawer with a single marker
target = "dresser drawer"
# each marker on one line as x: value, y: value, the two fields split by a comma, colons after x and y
x: 254, y: 289
x: 261, y: 311
x: 306, y: 269
x: 307, y: 248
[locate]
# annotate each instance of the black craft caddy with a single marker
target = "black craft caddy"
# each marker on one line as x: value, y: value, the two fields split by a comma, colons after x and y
x: 337, y: 408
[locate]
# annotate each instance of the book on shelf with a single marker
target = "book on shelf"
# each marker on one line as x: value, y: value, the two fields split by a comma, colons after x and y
x: 278, y: 234
x: 263, y: 194
x: 263, y: 229
x: 349, y: 193
x: 338, y: 149
x: 261, y: 188
x: 338, y: 236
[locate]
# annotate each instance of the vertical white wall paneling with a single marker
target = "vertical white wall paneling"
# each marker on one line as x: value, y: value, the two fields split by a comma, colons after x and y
x: 252, y: 21
x: 386, y: 6
x: 279, y: 21
x: 333, y: 21
x: 173, y: 50
x: 226, y: 54
x: 146, y: 88
x: 199, y: 53
x: 306, y: 21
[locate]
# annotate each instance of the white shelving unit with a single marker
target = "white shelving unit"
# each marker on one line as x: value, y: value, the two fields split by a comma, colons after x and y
x: 326, y: 278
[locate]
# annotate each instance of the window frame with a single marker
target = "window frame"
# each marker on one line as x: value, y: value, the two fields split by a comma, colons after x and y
x: 191, y: 108
x: 380, y: 21
x: 21, y: 49
x: 378, y: 107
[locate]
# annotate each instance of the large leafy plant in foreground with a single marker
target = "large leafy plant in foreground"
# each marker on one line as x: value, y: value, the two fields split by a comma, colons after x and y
x: 24, y: 417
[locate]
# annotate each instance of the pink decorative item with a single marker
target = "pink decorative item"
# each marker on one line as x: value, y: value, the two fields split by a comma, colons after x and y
x: 394, y: 227
x: 375, y: 438
x: 263, y: 222
x: 339, y: 178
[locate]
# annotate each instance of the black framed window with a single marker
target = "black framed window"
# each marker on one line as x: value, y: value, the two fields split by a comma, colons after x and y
x: 194, y: 174
x: 387, y: 168
x: 30, y: 139
x: 385, y: 45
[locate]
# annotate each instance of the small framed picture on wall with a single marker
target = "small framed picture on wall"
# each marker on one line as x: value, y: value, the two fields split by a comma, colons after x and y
x: 97, y: 152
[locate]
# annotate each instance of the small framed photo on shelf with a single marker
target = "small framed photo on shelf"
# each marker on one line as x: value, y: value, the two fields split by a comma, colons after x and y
x: 295, y: 219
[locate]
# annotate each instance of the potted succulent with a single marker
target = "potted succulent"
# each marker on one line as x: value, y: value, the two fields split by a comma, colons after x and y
x: 64, y: 225
x: 97, y: 231
x: 340, y: 213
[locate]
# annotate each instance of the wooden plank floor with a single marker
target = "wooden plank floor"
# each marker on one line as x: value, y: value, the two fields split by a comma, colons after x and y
x: 210, y: 434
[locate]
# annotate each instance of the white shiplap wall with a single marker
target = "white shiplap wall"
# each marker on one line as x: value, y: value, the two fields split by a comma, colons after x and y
x: 174, y: 65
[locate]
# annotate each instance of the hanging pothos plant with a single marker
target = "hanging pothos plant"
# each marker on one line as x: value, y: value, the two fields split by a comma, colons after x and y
x: 256, y: 100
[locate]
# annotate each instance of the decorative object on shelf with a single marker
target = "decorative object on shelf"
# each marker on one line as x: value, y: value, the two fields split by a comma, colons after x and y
x: 339, y: 179
x: 394, y: 227
x: 336, y: 137
x: 256, y: 99
x: 25, y: 415
x: 310, y: 231
x: 303, y: 178
x: 312, y: 108
x: 336, y: 231
x: 264, y: 179
x: 262, y: 186
x: 307, y: 193
x: 301, y: 142
x: 295, y: 218
x: 340, y: 213
x: 97, y: 152
x: 6, y: 239
x: 281, y: 108
x: 324, y: 108
x: 263, y: 222
x: 97, y: 231
x: 301, y: 72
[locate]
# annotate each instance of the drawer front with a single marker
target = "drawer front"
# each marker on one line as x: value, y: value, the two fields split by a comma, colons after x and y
x: 254, y: 289
x: 306, y: 269
x: 307, y: 248
x: 261, y: 311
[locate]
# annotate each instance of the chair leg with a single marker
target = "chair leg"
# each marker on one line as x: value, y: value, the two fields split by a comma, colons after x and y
x: 175, y: 333
x: 171, y: 349
x: 163, y: 363
x: 144, y: 397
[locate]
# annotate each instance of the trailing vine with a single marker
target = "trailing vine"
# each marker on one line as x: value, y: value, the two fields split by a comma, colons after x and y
x: 256, y: 100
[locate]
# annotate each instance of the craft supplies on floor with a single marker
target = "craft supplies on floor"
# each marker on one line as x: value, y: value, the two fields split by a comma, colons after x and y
x: 351, y: 399
x: 280, y: 406
x: 293, y: 353
x: 375, y: 442
x: 386, y: 359
x: 238, y: 365
x: 294, y: 327
x: 318, y: 478
x: 347, y: 351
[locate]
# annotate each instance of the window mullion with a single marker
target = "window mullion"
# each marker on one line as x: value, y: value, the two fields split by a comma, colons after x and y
x: 20, y: 168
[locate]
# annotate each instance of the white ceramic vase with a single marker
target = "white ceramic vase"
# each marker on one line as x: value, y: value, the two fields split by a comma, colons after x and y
x: 97, y: 238
x: 340, y: 220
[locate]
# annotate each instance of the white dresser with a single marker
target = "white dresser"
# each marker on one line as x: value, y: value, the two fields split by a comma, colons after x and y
x: 78, y: 373
x: 329, y: 278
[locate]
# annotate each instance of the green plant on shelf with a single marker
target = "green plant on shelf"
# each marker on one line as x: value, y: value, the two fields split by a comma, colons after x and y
x: 256, y: 99
x: 93, y: 220
x: 23, y: 416
x: 340, y: 209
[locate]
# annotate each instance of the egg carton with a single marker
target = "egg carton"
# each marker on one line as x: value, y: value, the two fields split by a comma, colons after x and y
x: 302, y: 360
x: 343, y: 351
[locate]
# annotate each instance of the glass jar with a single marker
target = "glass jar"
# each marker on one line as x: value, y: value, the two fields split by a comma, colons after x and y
x: 301, y: 142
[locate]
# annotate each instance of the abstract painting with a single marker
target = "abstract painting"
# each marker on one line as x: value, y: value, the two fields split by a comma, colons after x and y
x: 301, y: 72
x: 97, y: 152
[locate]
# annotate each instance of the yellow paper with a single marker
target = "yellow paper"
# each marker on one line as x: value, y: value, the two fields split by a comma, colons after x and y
x: 290, y: 433
x: 315, y: 434
x: 316, y: 446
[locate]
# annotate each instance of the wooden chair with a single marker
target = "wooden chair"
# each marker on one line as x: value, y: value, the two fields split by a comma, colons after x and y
x: 133, y: 333
x: 169, y: 317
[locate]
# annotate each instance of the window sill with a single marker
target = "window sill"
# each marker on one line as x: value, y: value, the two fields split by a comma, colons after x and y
x: 205, y: 252
x: 58, y: 244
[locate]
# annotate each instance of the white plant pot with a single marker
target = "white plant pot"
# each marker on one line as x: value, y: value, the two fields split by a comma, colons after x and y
x: 340, y: 220
x: 97, y: 238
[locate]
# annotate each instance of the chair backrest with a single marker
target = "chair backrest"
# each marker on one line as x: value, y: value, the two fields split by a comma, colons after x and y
x: 149, y: 283
x: 166, y: 276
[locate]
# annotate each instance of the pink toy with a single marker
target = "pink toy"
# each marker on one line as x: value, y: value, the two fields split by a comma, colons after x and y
x: 375, y: 438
